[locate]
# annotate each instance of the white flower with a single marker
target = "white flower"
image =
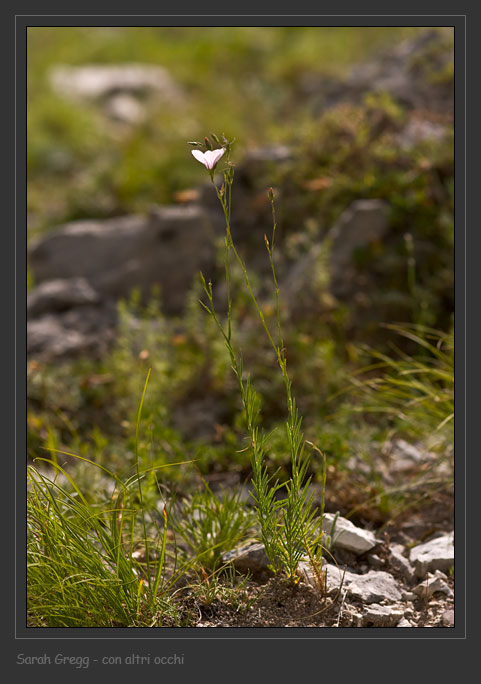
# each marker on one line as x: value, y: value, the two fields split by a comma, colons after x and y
x: 210, y: 158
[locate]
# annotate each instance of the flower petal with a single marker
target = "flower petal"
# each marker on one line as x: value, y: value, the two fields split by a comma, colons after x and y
x: 212, y: 157
x: 218, y: 154
x: 209, y: 158
x: 201, y: 157
x: 209, y: 155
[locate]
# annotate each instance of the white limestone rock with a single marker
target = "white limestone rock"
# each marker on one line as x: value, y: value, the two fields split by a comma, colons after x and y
x: 372, y: 587
x: 347, y: 536
x: 381, y: 616
x: 433, y: 584
x: 404, y: 623
x: 400, y: 563
x: 437, y: 554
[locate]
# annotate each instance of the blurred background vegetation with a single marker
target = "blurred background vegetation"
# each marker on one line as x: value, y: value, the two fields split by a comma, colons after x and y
x: 258, y: 85
x: 238, y: 80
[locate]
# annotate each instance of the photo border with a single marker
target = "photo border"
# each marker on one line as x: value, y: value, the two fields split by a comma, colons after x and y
x: 38, y: 635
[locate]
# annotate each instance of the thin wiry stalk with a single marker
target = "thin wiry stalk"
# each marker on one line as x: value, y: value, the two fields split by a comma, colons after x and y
x: 137, y: 427
x: 288, y: 525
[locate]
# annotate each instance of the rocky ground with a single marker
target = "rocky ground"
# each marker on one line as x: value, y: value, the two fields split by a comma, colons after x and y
x: 367, y: 582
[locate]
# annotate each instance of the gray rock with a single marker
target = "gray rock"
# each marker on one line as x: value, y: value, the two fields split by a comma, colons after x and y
x: 166, y: 249
x: 364, y: 222
x: 328, y: 270
x: 60, y: 295
x: 48, y: 339
x: 418, y: 130
x: 381, y: 616
x: 250, y: 558
x: 402, y: 449
x: 433, y: 584
x: 404, y: 623
x: 372, y: 587
x: 356, y: 619
x: 123, y: 90
x: 375, y: 586
x: 397, y: 74
x: 403, y: 456
x: 358, y: 465
x: 437, y: 554
x: 263, y: 155
x: 400, y: 563
x: 86, y: 329
x: 305, y: 285
x: 404, y: 71
x: 348, y: 536
x: 125, y: 108
x: 448, y: 618
x: 96, y: 81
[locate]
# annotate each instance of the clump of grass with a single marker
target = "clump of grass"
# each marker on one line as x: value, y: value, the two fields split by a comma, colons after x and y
x: 82, y: 568
x: 290, y: 530
x: 416, y: 391
x: 210, y: 525
x: 413, y: 394
x: 224, y: 586
x: 82, y: 562
x: 111, y: 559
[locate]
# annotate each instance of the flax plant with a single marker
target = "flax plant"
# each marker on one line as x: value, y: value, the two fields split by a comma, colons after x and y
x: 290, y: 529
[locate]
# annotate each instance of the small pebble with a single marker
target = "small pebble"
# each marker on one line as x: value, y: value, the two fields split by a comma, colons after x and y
x: 404, y: 623
x: 448, y: 618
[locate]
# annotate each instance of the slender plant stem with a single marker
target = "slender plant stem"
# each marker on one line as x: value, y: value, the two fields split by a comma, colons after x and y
x: 286, y: 524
